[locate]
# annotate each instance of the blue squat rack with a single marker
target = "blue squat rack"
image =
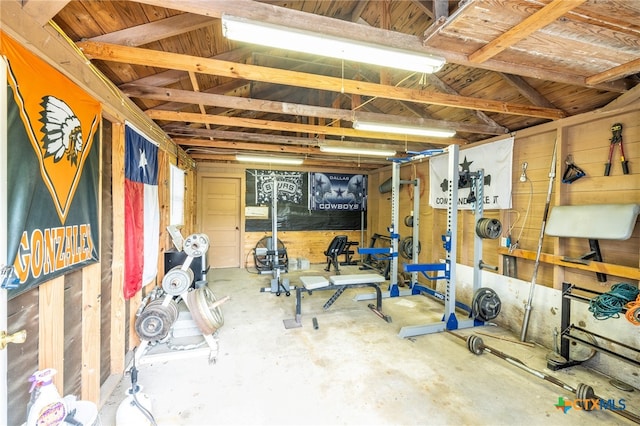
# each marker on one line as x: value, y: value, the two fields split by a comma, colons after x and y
x: 433, y: 271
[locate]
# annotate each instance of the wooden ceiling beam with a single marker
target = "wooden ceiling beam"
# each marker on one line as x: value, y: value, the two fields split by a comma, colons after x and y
x: 357, y: 11
x: 445, y: 88
x: 242, y: 148
x: 175, y: 105
x: 424, y: 7
x: 293, y: 18
x: 43, y: 11
x: 234, y: 102
x: 153, y: 58
x: 526, y: 90
x: 156, y: 30
x: 337, y: 165
x: 533, y: 23
x: 623, y: 100
x: 246, y: 146
x: 183, y: 132
x: 615, y: 72
x: 290, y: 127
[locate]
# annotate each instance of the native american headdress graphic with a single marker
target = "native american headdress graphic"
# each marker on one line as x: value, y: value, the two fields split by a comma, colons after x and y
x: 61, y: 129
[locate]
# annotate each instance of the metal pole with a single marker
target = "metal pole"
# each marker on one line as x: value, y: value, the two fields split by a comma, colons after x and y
x: 527, y: 308
x: 394, y: 228
x: 274, y: 222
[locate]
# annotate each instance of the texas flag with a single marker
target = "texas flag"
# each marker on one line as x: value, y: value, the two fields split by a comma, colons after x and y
x: 142, y: 212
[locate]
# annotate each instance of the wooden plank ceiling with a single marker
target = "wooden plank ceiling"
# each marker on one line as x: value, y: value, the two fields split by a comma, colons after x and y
x: 511, y: 64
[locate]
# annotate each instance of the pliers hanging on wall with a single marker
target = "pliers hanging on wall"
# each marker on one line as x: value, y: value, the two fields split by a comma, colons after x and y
x: 616, y: 139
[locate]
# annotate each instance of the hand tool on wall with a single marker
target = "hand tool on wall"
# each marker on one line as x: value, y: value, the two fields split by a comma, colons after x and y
x: 572, y: 173
x: 616, y: 139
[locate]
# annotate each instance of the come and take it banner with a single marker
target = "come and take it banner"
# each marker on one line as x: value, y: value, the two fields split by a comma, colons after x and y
x: 496, y: 159
x: 53, y: 171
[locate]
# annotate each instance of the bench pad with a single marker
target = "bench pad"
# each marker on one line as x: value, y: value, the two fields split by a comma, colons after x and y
x: 356, y: 279
x: 595, y: 221
x: 314, y: 281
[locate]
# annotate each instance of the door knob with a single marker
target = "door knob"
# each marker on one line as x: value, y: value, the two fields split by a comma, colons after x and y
x: 17, y: 337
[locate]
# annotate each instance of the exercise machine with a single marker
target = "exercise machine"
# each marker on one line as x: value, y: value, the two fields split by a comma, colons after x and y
x: 275, y: 252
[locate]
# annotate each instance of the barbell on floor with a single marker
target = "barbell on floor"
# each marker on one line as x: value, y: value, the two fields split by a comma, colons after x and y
x: 583, y: 392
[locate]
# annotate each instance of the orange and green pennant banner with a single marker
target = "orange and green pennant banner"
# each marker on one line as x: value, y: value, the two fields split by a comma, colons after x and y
x: 53, y: 170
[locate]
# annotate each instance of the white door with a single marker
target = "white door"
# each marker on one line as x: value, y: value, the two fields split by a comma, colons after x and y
x: 3, y: 234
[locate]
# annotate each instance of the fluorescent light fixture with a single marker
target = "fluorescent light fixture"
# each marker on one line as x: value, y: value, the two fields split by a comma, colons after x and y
x: 271, y: 160
x: 246, y: 30
x: 402, y: 129
x: 357, y: 151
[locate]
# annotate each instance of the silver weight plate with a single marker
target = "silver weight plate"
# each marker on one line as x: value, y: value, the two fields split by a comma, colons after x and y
x: 177, y: 281
x: 196, y: 245
x: 200, y: 303
x: 578, y: 351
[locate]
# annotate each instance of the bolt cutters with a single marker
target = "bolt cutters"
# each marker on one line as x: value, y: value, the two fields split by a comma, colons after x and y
x: 616, y: 139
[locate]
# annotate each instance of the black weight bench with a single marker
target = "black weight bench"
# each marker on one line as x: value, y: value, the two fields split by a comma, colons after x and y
x: 340, y: 245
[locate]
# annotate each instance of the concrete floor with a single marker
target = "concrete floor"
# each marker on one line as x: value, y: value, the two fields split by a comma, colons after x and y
x: 353, y: 369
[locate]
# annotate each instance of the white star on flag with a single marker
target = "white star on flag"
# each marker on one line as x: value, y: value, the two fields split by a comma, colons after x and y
x: 143, y: 162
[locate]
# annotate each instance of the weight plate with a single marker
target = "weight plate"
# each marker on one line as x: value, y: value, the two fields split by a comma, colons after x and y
x: 406, y: 247
x: 153, y: 324
x: 486, y: 304
x: 408, y: 221
x: 621, y: 385
x: 196, y: 245
x: 171, y: 308
x: 214, y: 313
x: 196, y: 312
x: 177, y: 281
x: 579, y: 352
x: 585, y: 393
x: 488, y: 228
x: 207, y: 318
x: 475, y: 344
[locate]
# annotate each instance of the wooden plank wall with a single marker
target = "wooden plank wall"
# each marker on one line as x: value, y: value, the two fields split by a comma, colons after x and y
x: 586, y: 138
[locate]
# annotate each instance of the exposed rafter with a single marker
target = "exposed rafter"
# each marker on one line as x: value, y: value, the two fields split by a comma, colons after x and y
x: 234, y: 102
x: 289, y: 127
x: 541, y: 18
x: 133, y: 55
x: 282, y: 16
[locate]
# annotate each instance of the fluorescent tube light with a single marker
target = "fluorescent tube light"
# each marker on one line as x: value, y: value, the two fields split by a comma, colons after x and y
x: 267, y: 159
x: 357, y: 151
x: 246, y: 30
x: 402, y: 129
